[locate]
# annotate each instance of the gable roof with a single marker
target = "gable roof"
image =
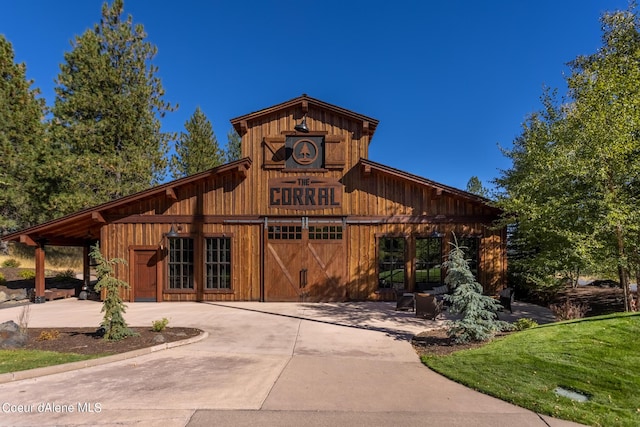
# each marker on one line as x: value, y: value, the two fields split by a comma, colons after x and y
x: 304, y: 101
x: 369, y: 165
x: 73, y: 229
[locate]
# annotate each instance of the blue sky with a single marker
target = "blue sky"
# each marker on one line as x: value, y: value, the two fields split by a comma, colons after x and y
x: 448, y: 80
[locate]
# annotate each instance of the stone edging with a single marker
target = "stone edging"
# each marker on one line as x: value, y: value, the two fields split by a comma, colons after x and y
x: 66, y: 367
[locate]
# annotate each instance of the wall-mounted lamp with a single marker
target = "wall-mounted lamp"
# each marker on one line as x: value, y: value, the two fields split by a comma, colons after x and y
x: 172, y: 232
x: 302, y: 126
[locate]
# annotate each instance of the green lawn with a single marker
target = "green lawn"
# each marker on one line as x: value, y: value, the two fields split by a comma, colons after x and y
x: 598, y: 356
x: 20, y: 360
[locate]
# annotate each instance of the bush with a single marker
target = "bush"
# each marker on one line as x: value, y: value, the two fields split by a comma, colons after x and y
x: 569, y: 310
x: 64, y: 275
x: 479, y: 320
x: 113, y: 323
x: 27, y: 274
x: 11, y: 263
x: 49, y: 335
x: 524, y: 323
x: 159, y: 325
x: 3, y: 281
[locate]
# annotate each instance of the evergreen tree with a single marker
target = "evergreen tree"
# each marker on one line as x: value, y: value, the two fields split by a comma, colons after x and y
x: 21, y: 143
x: 234, y: 149
x: 474, y: 185
x: 106, y: 114
x: 197, y: 150
x: 113, y: 323
x: 479, y: 320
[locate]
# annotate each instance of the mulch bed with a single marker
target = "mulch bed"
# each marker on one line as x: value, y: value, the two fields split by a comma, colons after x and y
x: 436, y: 343
x: 86, y: 341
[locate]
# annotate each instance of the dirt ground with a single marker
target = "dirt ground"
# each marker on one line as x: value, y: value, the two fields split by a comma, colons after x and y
x: 86, y: 341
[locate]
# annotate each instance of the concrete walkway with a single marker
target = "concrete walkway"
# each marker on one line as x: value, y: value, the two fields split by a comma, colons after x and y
x: 261, y: 364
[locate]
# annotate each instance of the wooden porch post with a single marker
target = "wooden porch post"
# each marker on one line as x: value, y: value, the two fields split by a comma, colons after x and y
x: 86, y: 268
x: 39, y: 295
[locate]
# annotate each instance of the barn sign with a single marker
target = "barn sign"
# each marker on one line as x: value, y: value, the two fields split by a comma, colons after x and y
x: 305, y: 192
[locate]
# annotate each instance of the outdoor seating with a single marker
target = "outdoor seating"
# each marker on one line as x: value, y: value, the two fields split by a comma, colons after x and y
x: 405, y: 300
x: 428, y: 306
x: 506, y: 298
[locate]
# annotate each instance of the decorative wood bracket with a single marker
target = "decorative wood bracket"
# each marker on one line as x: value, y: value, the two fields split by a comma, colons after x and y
x: 27, y: 240
x: 171, y: 194
x: 97, y: 217
x: 243, y: 127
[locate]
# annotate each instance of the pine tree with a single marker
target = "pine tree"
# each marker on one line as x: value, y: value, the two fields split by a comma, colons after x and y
x: 21, y: 143
x: 115, y: 327
x: 474, y: 185
x: 234, y: 148
x: 106, y: 114
x: 197, y: 149
x: 479, y: 320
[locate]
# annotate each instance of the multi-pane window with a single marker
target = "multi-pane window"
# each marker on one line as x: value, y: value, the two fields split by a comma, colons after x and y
x: 327, y: 232
x: 471, y: 248
x: 181, y: 263
x: 428, y: 262
x: 218, y: 263
x: 284, y: 232
x: 391, y: 262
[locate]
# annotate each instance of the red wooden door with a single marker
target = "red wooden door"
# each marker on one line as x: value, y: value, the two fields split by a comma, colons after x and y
x: 145, y: 275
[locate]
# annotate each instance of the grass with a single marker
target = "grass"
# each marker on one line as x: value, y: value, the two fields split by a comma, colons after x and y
x: 21, y: 360
x: 56, y: 258
x: 598, y: 357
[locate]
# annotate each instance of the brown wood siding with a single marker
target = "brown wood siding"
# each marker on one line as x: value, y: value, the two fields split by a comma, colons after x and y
x: 245, y: 247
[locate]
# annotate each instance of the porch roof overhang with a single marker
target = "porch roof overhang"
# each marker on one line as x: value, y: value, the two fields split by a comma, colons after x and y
x: 83, y: 227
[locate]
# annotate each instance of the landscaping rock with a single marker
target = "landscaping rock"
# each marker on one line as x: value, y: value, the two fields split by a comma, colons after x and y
x: 3, y: 296
x: 11, y: 336
x: 159, y: 339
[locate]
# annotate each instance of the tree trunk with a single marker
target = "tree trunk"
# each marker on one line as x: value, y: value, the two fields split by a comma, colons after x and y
x: 622, y: 271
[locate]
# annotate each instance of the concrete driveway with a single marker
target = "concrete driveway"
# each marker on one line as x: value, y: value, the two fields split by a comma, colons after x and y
x: 261, y: 364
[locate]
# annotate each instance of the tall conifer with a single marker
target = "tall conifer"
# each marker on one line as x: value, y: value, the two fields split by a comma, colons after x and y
x: 197, y: 149
x: 109, y: 101
x: 21, y: 143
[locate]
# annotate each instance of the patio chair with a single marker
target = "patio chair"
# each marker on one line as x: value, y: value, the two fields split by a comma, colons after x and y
x: 507, y: 295
x: 405, y: 300
x: 428, y: 306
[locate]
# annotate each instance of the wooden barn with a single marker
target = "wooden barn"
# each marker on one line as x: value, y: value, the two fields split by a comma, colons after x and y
x: 303, y: 216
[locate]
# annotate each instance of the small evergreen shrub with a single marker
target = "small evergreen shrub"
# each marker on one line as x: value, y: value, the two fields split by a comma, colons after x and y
x: 524, y: 323
x: 27, y: 274
x: 49, y: 335
x: 11, y: 263
x: 113, y: 323
x: 159, y: 325
x: 479, y: 312
x: 3, y: 281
